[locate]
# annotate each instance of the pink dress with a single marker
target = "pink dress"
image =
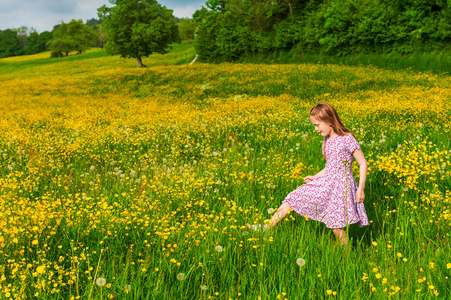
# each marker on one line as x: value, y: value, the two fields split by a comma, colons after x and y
x: 331, y: 198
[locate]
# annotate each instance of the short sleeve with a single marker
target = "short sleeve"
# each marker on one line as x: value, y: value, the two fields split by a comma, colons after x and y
x: 351, y: 143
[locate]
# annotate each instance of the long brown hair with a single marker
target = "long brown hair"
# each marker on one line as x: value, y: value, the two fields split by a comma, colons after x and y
x: 326, y: 113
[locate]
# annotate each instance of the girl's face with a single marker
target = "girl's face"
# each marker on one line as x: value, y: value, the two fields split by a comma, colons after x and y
x: 323, y: 128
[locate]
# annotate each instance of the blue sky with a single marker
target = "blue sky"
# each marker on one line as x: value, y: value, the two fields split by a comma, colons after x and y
x: 44, y: 14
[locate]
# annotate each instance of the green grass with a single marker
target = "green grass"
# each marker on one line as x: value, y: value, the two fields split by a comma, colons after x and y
x: 435, y: 62
x: 101, y: 157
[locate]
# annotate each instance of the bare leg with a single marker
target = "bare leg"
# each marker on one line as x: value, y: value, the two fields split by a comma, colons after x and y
x: 281, y: 212
x: 340, y: 233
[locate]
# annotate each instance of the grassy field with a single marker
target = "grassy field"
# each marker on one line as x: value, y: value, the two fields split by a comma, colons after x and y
x: 124, y: 183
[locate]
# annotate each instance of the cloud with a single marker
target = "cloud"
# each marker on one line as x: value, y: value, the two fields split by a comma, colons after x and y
x: 44, y: 14
x: 183, y: 9
x: 185, y: 12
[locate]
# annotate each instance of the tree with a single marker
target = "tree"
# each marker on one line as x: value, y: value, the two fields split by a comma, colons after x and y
x: 187, y: 28
x: 44, y: 38
x: 138, y: 28
x: 32, y: 46
x: 60, y: 43
x: 9, y: 43
x: 81, y: 35
x: 36, y: 42
x: 72, y: 36
x: 99, y: 32
x: 22, y: 33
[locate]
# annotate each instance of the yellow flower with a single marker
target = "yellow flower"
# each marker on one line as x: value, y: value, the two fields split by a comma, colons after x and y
x: 378, y: 275
x: 329, y: 292
x: 40, y: 269
x: 399, y: 254
x: 448, y: 266
x: 431, y: 287
x: 375, y: 270
x: 34, y: 242
x: 374, y: 243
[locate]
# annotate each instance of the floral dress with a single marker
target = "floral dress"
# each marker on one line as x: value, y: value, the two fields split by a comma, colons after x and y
x: 330, y: 198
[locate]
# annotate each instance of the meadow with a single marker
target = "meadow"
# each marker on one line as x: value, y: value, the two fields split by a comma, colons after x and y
x: 118, y: 182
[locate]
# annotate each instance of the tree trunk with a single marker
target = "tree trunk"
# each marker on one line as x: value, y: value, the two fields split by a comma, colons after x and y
x: 140, y: 63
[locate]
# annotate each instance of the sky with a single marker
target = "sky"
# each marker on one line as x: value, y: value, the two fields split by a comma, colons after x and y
x: 42, y: 15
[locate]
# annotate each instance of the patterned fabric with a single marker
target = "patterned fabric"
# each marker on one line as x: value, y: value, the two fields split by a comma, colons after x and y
x: 331, y: 198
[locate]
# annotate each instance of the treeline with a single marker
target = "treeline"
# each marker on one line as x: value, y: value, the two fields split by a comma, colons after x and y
x: 22, y: 40
x: 64, y: 38
x: 69, y: 37
x: 235, y: 29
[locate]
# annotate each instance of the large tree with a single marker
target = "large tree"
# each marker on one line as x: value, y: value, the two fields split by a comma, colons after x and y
x: 138, y: 28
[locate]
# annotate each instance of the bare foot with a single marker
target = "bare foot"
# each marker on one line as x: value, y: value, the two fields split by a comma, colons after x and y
x: 258, y: 227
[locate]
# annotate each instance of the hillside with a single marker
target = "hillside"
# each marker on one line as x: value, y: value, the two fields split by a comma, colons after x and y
x: 136, y: 183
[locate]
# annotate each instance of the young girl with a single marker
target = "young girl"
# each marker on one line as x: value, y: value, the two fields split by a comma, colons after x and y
x: 331, y: 196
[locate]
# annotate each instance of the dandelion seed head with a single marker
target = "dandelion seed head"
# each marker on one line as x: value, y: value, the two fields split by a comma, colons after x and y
x: 101, y: 281
x: 181, y: 276
x: 300, y: 262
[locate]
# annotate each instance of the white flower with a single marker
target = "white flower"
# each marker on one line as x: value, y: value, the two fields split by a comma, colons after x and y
x: 270, y: 210
x: 128, y: 287
x: 92, y: 168
x: 204, y: 287
x: 300, y: 262
x: 101, y: 281
x: 181, y: 276
x: 218, y: 248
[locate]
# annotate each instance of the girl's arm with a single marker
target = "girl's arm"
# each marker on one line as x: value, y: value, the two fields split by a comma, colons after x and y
x: 309, y: 178
x: 360, y: 158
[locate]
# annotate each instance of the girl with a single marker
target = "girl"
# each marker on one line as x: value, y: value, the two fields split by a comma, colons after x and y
x: 331, y: 196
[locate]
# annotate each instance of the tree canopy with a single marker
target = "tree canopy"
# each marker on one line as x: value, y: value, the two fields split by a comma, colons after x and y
x: 9, y: 43
x: 187, y: 29
x: 72, y: 36
x: 138, y: 28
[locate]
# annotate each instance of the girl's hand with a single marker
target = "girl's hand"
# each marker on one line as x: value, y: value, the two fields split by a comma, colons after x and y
x: 360, y: 196
x: 309, y: 178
